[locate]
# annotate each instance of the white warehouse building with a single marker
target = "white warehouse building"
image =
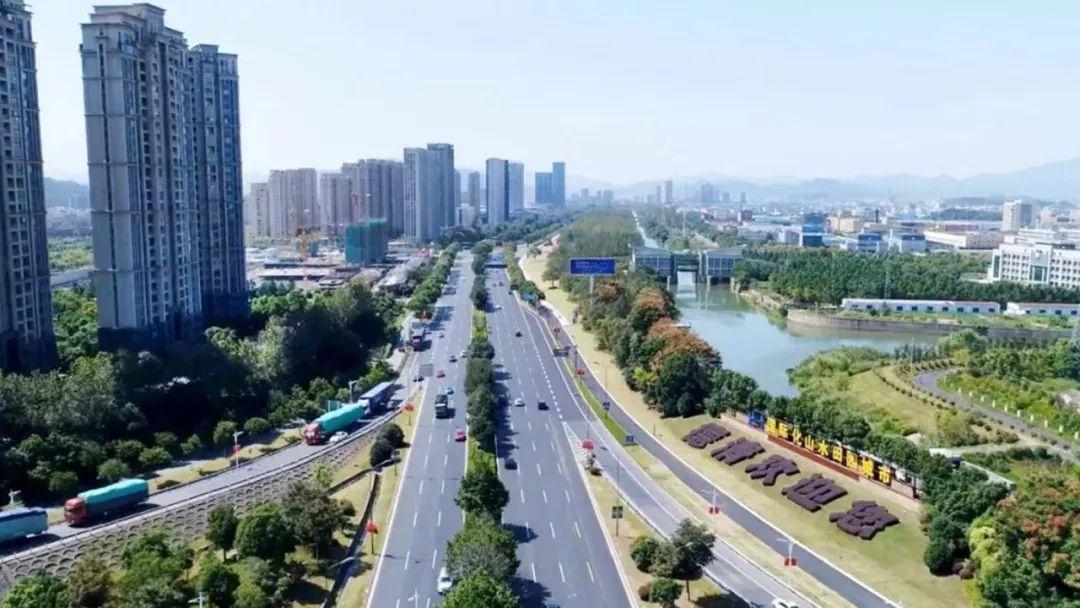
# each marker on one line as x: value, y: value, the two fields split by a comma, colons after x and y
x: 1042, y: 309
x: 946, y: 306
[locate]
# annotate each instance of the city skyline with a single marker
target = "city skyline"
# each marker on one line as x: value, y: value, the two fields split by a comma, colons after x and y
x: 871, y: 98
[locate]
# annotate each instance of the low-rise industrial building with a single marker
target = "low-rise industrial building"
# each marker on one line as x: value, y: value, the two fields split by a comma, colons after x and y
x: 964, y: 240
x: 1042, y: 309
x: 942, y: 306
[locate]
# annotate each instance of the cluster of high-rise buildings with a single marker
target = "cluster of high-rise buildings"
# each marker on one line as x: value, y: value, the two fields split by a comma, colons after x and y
x: 166, y: 188
x: 163, y: 154
x: 418, y: 197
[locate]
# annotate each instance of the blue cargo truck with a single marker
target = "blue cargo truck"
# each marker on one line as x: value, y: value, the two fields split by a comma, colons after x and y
x: 377, y: 397
x: 93, y: 504
x: 19, y: 523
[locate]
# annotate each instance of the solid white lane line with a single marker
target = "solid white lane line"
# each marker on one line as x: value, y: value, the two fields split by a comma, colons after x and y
x: 425, y: 460
x: 433, y: 558
x: 567, y: 492
x: 414, y: 515
x: 438, y: 519
x: 538, y: 470
x: 544, y: 492
x: 533, y: 445
x: 562, y: 574
x: 533, y: 566
x: 577, y: 529
x: 552, y: 526
x: 591, y: 577
x: 408, y: 554
x: 421, y: 490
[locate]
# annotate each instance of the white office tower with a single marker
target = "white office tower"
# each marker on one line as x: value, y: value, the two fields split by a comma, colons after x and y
x: 498, y: 191
x: 1017, y: 215
x: 294, y: 202
x: 423, y: 208
x: 26, y: 327
x: 141, y: 158
x: 516, y: 188
x: 335, y: 203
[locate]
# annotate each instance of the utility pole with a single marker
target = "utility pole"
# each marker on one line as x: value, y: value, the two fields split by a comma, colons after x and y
x: 236, y: 448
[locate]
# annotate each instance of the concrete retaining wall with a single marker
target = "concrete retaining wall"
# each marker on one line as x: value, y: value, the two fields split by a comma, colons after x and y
x: 810, y: 318
x: 186, y: 521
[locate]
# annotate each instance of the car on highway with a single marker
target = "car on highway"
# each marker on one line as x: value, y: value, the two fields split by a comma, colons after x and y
x: 541, y: 405
x: 779, y: 603
x: 338, y: 436
x: 510, y: 463
x: 449, y: 390
x: 445, y: 582
x: 440, y: 374
x: 453, y: 358
x: 519, y: 402
x: 459, y: 434
x: 418, y: 377
x: 517, y: 333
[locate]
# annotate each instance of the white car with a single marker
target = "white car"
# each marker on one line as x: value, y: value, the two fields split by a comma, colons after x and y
x: 338, y: 436
x: 519, y: 402
x: 445, y: 582
x: 778, y: 603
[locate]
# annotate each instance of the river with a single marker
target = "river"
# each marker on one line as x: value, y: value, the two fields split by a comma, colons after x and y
x: 763, y: 347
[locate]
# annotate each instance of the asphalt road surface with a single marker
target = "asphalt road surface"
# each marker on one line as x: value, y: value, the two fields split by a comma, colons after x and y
x: 565, y: 557
x: 424, y: 515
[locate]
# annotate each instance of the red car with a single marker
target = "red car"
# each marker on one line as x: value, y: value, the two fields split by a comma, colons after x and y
x: 459, y: 435
x: 440, y: 373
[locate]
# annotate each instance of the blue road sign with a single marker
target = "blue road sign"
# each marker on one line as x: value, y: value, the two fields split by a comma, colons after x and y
x: 630, y: 439
x: 592, y: 266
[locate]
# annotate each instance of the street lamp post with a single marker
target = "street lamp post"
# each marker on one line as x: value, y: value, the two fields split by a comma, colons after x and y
x: 236, y: 447
x: 199, y: 600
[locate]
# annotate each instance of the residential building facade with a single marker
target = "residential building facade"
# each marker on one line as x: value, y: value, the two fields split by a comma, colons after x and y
x: 141, y: 161
x: 498, y: 191
x: 26, y: 326
x: 423, y: 195
x: 515, y: 175
x: 474, y: 190
x: 219, y: 185
x: 542, y: 189
x: 257, y: 209
x: 294, y: 202
x: 558, y: 184
x: 335, y: 201
x: 1016, y: 215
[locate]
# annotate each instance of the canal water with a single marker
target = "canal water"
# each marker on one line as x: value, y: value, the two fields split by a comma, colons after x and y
x: 763, y: 347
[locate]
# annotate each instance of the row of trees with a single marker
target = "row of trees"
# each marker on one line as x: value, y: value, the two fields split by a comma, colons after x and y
x: 525, y: 287
x: 482, y: 557
x: 826, y: 276
x: 429, y: 290
x: 111, y: 414
x: 258, y: 562
x: 682, y: 557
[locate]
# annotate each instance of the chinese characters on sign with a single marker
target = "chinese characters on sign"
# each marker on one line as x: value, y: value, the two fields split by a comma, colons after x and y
x: 863, y: 465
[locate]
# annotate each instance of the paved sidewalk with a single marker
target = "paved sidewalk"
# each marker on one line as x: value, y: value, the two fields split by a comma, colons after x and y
x: 928, y: 381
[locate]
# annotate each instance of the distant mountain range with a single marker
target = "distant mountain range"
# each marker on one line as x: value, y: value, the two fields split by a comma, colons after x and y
x: 61, y: 193
x: 1054, y: 181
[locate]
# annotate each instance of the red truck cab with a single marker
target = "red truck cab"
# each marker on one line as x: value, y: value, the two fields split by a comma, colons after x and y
x: 75, y: 511
x: 313, y: 434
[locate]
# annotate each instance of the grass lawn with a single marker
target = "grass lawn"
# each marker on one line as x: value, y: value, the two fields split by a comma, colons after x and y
x: 355, y: 592
x: 891, y: 563
x: 877, y: 398
x: 705, y: 593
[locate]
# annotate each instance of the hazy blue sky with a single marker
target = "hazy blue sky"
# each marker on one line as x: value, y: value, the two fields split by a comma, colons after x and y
x: 625, y: 90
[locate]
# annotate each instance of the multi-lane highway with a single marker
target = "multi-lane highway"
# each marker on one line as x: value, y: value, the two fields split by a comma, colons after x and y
x: 424, y: 515
x: 565, y: 557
